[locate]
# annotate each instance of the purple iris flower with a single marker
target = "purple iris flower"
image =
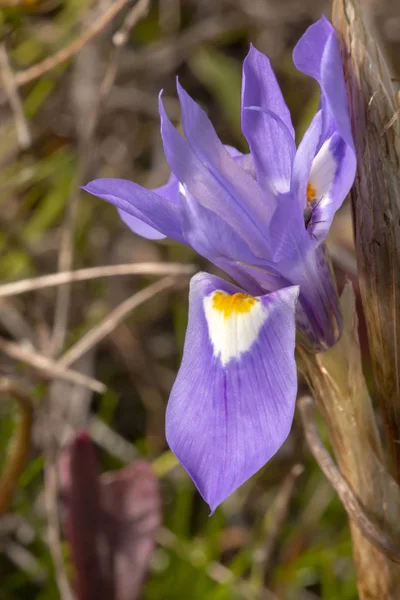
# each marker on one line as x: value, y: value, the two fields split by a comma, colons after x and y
x: 262, y: 218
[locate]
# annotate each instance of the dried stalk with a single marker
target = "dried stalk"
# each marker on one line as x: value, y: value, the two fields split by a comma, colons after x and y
x: 48, y: 368
x: 48, y: 64
x: 112, y: 320
x: 376, y: 205
x: 54, y: 279
x: 338, y: 386
x: 380, y: 539
x: 10, y: 87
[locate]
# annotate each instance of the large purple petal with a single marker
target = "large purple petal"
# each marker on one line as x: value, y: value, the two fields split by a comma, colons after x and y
x: 267, y: 127
x: 211, y: 188
x: 232, y: 404
x: 158, y: 213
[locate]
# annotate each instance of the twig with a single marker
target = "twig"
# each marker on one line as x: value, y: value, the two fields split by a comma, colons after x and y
x: 112, y: 320
x: 49, y: 368
x: 54, y: 279
x: 46, y: 65
x: 10, y: 87
x: 378, y: 538
x: 15, y: 460
x: 65, y: 261
x: 120, y: 38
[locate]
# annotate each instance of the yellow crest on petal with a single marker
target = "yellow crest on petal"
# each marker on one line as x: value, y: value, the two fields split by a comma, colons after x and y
x: 311, y: 193
x: 236, y: 304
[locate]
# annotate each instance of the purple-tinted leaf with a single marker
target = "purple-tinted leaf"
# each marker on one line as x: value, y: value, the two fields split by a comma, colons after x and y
x: 111, y: 523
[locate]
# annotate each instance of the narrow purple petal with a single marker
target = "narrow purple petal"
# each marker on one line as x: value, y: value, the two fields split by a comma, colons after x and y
x: 211, y: 236
x: 269, y: 131
x: 210, y: 188
x: 139, y: 227
x: 318, y: 316
x: 231, y: 407
x: 170, y: 191
x: 205, y: 143
x: 272, y: 147
x: 317, y: 54
x: 158, y: 213
x: 332, y: 171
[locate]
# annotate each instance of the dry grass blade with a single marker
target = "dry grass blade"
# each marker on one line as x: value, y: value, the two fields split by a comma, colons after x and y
x: 36, y: 71
x: 54, y: 279
x: 10, y: 87
x: 378, y: 538
x: 15, y: 460
x: 95, y: 335
x: 49, y: 368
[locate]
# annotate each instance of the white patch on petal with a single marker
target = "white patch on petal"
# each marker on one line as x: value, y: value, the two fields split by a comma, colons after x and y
x: 323, y: 171
x: 234, y: 334
x: 279, y: 186
x: 182, y: 189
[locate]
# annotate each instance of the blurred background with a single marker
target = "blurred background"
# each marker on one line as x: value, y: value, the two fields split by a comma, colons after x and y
x: 78, y: 100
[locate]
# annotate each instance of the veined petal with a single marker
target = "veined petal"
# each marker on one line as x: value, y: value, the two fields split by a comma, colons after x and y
x: 211, y: 236
x: 205, y: 143
x: 170, y: 191
x: 333, y: 168
x: 317, y: 54
x: 272, y: 147
x: 268, y: 129
x: 158, y: 213
x: 331, y: 177
x: 318, y: 315
x: 232, y: 403
x: 210, y: 189
x: 303, y: 160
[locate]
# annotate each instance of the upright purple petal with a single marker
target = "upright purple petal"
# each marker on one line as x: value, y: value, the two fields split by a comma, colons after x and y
x: 210, y: 188
x: 267, y: 126
x: 159, y: 214
x: 333, y: 169
x: 231, y: 407
x: 205, y: 143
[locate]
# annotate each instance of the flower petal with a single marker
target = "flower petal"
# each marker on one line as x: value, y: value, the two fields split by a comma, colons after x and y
x: 317, y: 54
x: 303, y: 160
x: 331, y: 176
x: 231, y: 198
x: 268, y: 127
x: 333, y: 169
x: 205, y: 143
x: 170, y: 191
x: 159, y: 214
x: 231, y: 407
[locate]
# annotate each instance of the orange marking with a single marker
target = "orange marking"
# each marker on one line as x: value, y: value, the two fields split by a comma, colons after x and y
x: 311, y: 193
x: 237, y: 303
